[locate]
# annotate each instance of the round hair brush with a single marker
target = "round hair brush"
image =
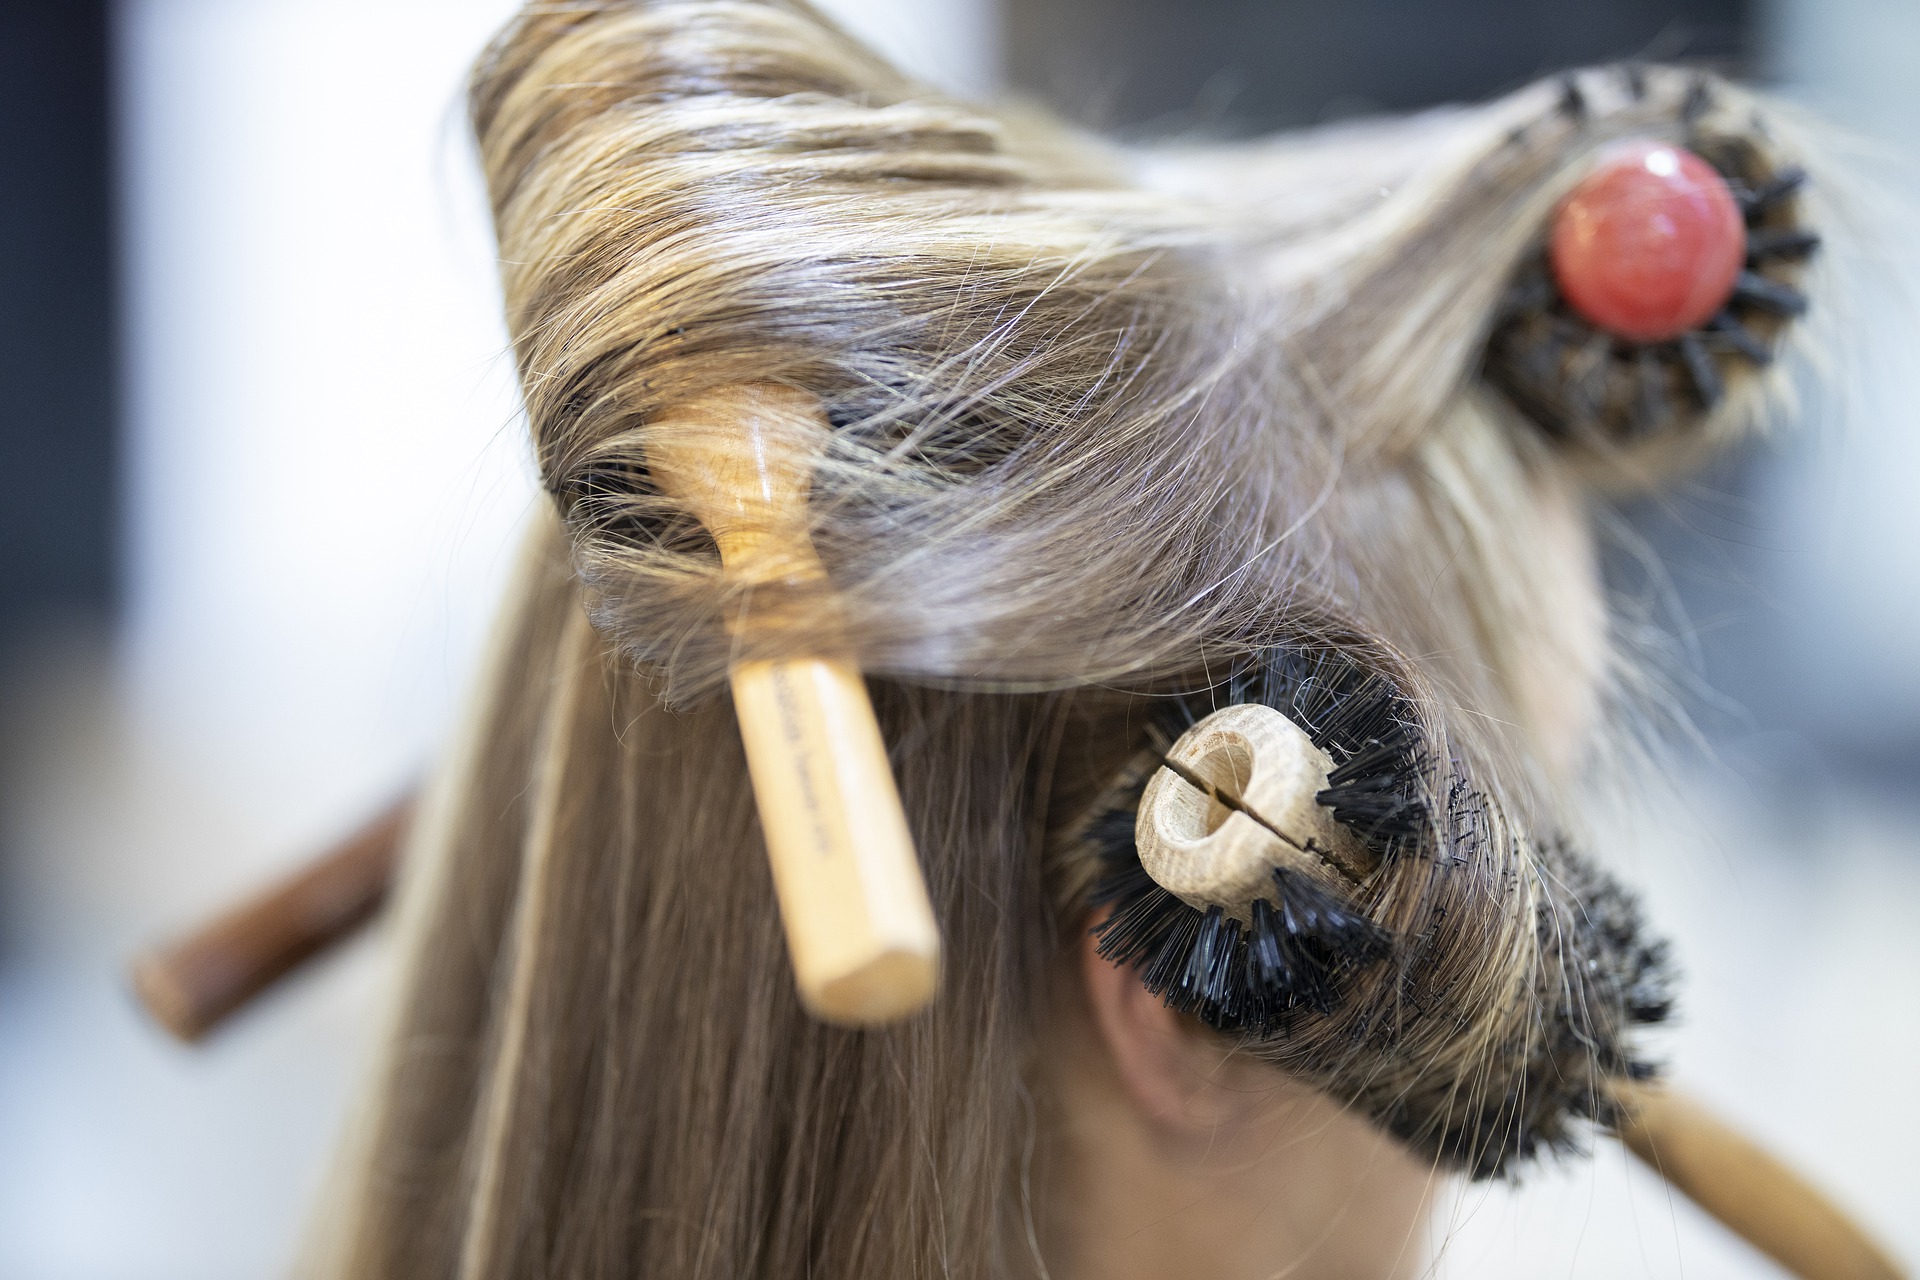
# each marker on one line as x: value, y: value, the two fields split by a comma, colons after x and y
x: 859, y: 926
x: 1240, y: 812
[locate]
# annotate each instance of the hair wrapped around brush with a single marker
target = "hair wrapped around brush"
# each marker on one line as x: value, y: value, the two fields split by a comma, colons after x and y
x: 1119, y: 435
x: 1090, y: 398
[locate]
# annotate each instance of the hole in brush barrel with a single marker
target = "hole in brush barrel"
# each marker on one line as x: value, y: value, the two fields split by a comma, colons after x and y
x: 1252, y: 760
x: 1225, y: 770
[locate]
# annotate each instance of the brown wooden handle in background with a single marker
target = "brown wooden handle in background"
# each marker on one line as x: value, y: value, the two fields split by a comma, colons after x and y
x: 1747, y: 1188
x: 193, y: 984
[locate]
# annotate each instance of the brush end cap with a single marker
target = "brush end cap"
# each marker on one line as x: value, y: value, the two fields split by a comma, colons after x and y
x: 895, y: 984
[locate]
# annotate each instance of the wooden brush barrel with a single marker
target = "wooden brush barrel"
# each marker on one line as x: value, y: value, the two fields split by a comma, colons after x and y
x: 1234, y: 800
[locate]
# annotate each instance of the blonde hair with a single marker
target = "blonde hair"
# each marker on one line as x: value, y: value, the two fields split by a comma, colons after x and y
x: 1108, y: 424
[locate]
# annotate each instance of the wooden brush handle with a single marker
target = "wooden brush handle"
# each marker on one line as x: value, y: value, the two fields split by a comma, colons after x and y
x: 197, y: 982
x: 1746, y: 1187
x: 859, y: 926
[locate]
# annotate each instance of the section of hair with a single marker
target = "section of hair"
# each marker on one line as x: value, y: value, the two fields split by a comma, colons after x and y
x: 1089, y: 397
x: 601, y: 1067
x: 1105, y: 422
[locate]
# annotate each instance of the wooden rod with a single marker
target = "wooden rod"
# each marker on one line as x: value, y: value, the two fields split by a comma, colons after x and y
x: 860, y: 928
x: 1746, y: 1187
x: 196, y: 982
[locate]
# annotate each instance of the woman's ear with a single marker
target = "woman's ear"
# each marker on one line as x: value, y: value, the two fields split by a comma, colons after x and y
x: 1185, y: 1081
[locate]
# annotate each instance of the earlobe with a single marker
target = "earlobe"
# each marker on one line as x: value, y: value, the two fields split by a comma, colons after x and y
x: 1184, y: 1081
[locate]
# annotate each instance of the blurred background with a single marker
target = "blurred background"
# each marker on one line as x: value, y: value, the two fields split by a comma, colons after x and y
x: 260, y: 476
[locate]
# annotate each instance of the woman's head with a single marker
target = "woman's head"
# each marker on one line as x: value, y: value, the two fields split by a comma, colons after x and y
x: 1119, y: 436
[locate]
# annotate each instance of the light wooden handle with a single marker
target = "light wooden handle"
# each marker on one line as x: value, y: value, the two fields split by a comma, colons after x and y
x: 1745, y: 1187
x: 859, y: 925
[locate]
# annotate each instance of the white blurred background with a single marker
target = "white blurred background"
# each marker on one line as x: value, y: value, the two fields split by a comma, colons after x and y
x: 322, y: 475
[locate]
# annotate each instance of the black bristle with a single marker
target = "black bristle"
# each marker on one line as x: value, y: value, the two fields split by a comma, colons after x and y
x: 1698, y: 102
x: 1740, y: 338
x: 1179, y: 933
x: 1651, y: 408
x: 1268, y: 967
x: 1540, y: 366
x: 1634, y: 75
x: 1209, y: 985
x: 1230, y: 976
x: 1769, y: 295
x: 1573, y: 101
x: 1359, y: 720
x: 1780, y: 242
x: 1772, y: 192
x: 1313, y: 912
x: 1527, y: 294
x: 1700, y: 368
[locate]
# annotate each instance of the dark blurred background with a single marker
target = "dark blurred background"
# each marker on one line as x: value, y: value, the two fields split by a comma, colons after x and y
x: 60, y: 456
x: 1243, y: 65
x: 259, y: 478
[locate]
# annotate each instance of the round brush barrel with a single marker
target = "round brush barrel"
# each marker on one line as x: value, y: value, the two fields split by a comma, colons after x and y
x: 859, y: 925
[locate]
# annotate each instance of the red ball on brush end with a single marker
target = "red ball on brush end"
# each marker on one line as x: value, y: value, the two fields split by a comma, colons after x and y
x: 1649, y: 244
